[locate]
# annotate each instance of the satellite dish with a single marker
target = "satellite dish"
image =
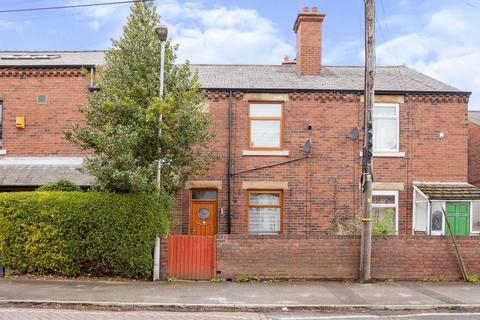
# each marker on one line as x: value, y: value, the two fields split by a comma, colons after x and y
x: 307, y: 147
x: 353, y: 135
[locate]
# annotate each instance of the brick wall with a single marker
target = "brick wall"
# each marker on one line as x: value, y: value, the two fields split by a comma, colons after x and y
x: 321, y: 187
x: 325, y: 185
x: 43, y: 135
x: 337, y: 257
x: 474, y: 153
x: 308, y: 28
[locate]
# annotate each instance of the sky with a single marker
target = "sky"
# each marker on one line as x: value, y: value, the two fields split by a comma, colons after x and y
x: 440, y: 38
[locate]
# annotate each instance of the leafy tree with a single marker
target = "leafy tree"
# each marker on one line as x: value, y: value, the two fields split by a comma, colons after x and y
x: 122, y: 119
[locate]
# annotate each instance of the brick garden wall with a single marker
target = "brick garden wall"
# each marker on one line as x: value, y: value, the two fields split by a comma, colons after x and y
x: 337, y: 257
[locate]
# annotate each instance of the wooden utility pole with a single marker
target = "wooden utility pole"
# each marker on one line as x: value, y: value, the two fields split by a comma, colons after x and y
x: 367, y: 151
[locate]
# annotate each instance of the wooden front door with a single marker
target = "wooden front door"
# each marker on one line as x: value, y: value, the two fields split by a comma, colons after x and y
x: 458, y: 214
x: 203, y: 212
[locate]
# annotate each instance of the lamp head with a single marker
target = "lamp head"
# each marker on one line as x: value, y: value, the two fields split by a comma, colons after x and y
x: 161, y: 30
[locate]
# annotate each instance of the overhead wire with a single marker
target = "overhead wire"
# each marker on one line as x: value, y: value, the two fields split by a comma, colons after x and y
x: 71, y: 6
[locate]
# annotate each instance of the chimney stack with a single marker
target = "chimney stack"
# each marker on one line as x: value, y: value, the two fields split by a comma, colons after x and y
x: 308, y: 28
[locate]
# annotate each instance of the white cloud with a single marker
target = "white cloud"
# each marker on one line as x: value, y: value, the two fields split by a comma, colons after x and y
x: 206, y: 33
x: 219, y: 34
x: 446, y: 46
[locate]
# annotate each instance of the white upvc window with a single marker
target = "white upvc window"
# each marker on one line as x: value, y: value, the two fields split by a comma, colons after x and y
x: 437, y: 223
x: 385, y: 210
x: 475, y: 217
x: 386, y: 128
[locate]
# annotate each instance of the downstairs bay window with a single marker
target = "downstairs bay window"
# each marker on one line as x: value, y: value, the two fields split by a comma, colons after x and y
x: 265, y: 212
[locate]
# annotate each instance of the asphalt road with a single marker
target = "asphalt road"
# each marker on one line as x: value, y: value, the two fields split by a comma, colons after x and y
x: 67, y: 314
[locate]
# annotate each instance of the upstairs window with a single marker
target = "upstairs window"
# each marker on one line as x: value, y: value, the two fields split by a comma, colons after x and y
x: 265, y: 125
x: 386, y: 128
x: 264, y: 212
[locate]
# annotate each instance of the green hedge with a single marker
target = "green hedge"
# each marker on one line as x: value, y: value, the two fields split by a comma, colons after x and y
x: 80, y: 233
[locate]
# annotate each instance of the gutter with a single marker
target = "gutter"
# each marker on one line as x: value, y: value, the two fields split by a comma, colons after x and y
x: 25, y: 66
x: 291, y: 90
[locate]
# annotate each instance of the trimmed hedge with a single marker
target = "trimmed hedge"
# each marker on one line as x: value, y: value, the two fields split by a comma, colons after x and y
x: 80, y: 233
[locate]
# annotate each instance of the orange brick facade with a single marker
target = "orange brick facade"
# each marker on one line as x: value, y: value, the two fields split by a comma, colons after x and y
x: 326, y: 185
x: 474, y: 153
x: 43, y: 134
x: 320, y: 187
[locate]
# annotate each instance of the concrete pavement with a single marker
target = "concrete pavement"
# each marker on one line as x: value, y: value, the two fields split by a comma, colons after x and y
x: 384, y: 295
x: 53, y: 314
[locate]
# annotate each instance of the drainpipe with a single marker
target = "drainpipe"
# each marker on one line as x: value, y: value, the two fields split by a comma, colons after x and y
x: 229, y: 164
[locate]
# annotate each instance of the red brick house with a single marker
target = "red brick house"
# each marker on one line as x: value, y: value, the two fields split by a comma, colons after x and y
x: 291, y: 160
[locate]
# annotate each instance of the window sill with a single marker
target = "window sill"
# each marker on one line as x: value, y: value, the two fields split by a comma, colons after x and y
x: 3, y: 152
x: 281, y: 153
x: 389, y: 154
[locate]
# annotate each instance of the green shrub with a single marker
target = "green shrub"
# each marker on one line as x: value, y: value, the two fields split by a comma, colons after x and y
x: 80, y: 233
x: 60, y: 185
x: 385, y: 224
x: 242, y: 278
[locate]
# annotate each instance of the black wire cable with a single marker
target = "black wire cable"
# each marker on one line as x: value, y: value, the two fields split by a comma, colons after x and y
x: 72, y: 6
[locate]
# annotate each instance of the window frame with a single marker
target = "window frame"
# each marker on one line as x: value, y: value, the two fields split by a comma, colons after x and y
x: 379, y: 205
x: 397, y: 117
x: 203, y: 200
x: 280, y: 205
x: 475, y: 233
x: 280, y: 119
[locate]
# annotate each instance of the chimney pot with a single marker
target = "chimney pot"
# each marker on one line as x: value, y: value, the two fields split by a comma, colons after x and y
x: 305, y: 9
x: 314, y: 9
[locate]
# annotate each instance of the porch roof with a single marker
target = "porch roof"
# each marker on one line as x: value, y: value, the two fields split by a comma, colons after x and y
x: 449, y: 191
x: 37, y: 171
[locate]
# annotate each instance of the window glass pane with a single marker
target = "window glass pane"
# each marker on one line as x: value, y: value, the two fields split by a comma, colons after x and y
x: 476, y: 216
x: 265, y: 133
x: 383, y: 220
x: 204, y: 194
x: 421, y: 216
x: 437, y: 217
x: 264, y: 220
x: 265, y: 110
x: 382, y: 111
x: 385, y: 135
x: 383, y: 199
x: 264, y: 198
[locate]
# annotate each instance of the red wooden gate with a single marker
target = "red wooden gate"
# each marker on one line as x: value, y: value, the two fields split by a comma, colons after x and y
x: 191, y: 257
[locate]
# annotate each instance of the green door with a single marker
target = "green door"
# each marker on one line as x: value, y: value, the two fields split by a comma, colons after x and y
x: 458, y: 214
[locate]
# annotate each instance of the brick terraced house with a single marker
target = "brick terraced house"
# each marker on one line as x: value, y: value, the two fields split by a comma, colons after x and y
x: 288, y: 135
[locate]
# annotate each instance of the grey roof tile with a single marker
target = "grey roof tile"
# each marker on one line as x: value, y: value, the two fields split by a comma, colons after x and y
x: 449, y: 191
x: 254, y: 77
x: 474, y: 116
x: 37, y: 175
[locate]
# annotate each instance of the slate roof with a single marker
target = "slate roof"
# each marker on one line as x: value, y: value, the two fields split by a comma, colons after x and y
x: 474, y: 116
x: 449, y: 191
x: 31, y: 172
x: 51, y: 58
x: 255, y: 77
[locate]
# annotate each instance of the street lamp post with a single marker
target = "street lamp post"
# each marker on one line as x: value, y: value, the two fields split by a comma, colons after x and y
x: 161, y: 31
